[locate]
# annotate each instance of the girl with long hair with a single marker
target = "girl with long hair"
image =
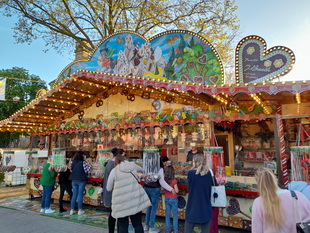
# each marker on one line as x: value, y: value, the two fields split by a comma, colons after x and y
x: 153, y: 191
x: 273, y: 210
x: 80, y: 169
x: 171, y: 199
x: 199, y: 209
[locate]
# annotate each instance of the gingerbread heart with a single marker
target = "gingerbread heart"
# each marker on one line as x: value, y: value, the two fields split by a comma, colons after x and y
x: 199, y: 79
x: 214, y: 79
x: 202, y: 59
x: 233, y: 207
x: 36, y: 183
x: 254, y: 63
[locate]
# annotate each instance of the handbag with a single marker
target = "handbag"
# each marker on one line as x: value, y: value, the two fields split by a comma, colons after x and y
x: 218, y: 194
x: 301, y: 227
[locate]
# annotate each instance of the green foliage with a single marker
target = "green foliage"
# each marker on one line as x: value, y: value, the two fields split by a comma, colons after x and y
x: 24, y: 86
x: 1, y: 177
x: 62, y: 23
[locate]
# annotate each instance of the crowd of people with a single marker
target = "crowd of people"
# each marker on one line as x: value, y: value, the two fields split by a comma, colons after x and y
x: 125, y: 197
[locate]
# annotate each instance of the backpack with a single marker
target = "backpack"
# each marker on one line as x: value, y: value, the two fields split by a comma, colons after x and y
x: 300, y: 186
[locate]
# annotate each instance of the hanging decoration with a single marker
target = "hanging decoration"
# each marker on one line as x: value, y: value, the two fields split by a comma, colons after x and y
x: 151, y: 164
x: 214, y: 156
x: 103, y: 156
x: 58, y: 160
x: 300, y: 158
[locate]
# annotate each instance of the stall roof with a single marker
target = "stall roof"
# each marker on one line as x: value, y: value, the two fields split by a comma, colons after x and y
x: 85, y: 88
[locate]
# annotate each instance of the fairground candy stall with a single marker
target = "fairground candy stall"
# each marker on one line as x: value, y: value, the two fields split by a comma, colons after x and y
x: 164, y: 93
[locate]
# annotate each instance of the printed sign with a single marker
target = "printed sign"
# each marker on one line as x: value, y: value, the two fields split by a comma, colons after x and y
x: 256, y: 64
x: 2, y: 88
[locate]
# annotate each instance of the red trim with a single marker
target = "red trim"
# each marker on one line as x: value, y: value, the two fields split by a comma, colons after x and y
x: 181, y: 186
x: 244, y: 192
x: 95, y: 179
x: 33, y: 174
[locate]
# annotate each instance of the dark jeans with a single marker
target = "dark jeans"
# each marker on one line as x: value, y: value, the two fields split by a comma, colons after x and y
x: 189, y: 227
x: 64, y: 187
x: 136, y: 221
x: 46, y: 197
x: 111, y: 222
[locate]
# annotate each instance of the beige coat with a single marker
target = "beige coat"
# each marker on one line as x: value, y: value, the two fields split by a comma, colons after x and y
x: 128, y: 196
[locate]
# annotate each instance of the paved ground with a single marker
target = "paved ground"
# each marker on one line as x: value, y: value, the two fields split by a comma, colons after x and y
x: 19, y: 214
x: 12, y: 221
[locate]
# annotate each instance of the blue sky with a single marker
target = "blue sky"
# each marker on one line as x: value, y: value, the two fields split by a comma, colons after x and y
x: 279, y: 22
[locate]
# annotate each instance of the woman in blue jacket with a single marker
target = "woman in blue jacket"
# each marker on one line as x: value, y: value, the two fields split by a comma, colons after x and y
x: 80, y: 169
x: 199, y: 209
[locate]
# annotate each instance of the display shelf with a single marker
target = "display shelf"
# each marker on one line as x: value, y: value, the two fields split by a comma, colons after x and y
x: 254, y: 160
x: 248, y: 149
x: 34, y: 174
x: 243, y: 192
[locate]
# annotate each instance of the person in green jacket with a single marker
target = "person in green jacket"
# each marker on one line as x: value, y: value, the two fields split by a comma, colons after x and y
x: 47, y: 181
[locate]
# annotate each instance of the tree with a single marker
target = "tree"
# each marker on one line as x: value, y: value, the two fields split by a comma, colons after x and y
x: 61, y: 23
x: 23, y: 85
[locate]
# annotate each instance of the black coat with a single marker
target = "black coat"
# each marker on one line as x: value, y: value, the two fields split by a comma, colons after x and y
x: 64, y: 177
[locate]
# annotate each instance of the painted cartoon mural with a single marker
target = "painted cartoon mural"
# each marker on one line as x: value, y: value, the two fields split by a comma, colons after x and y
x: 174, y: 55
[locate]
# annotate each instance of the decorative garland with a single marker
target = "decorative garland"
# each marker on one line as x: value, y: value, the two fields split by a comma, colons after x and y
x: 136, y: 120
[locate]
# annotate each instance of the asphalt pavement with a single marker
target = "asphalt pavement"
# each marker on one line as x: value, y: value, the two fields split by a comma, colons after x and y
x: 21, y: 221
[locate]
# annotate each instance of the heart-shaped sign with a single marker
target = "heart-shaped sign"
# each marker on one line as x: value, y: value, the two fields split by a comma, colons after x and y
x: 254, y: 63
x: 234, y: 208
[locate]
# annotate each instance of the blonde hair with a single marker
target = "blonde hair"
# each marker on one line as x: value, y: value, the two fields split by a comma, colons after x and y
x: 272, y: 206
x: 200, y: 164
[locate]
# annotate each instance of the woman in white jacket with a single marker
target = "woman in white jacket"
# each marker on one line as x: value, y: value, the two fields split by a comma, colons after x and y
x: 128, y: 196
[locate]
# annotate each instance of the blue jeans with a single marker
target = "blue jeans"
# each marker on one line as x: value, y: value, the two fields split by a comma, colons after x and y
x: 154, y: 194
x: 78, y: 190
x: 172, y: 206
x: 46, y: 197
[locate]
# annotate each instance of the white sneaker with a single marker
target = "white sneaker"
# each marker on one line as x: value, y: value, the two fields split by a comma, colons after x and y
x: 42, y: 210
x: 81, y: 212
x: 71, y: 212
x: 153, y: 230
x: 146, y: 227
x: 49, y: 211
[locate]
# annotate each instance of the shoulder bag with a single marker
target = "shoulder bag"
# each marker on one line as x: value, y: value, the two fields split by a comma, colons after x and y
x: 218, y: 194
x: 301, y: 227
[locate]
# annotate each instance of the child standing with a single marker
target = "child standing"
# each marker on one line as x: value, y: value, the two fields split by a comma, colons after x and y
x: 171, y: 199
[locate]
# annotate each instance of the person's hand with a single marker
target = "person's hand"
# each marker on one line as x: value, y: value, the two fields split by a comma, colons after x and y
x: 173, y: 191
